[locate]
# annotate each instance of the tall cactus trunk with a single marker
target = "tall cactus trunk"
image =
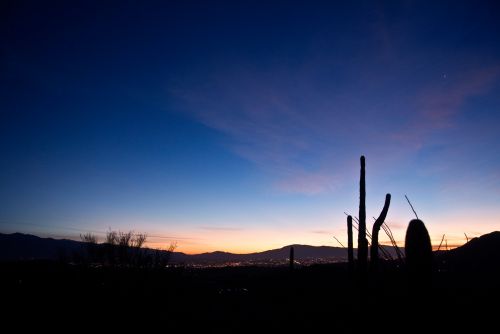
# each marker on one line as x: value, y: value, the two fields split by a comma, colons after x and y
x: 350, y: 252
x: 376, y: 228
x: 362, y: 241
x: 292, y: 258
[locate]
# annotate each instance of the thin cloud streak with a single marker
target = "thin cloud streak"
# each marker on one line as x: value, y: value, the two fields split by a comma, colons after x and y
x: 439, y: 104
x: 277, y: 128
x: 220, y: 228
x: 301, y: 129
x: 322, y: 232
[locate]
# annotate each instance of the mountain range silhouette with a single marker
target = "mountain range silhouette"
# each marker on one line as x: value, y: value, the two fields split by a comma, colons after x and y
x: 18, y: 246
x: 477, y: 252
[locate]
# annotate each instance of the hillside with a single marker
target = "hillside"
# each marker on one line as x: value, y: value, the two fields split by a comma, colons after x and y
x: 482, y: 253
x: 18, y: 246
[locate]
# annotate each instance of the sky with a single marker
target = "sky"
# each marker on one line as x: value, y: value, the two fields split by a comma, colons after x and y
x: 238, y: 125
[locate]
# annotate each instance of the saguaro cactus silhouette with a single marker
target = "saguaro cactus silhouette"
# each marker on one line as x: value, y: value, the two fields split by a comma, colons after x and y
x: 350, y: 252
x: 292, y: 258
x: 376, y: 228
x: 362, y: 241
x: 418, y: 249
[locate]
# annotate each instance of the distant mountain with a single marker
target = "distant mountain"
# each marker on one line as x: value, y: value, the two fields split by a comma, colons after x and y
x: 302, y: 252
x: 18, y: 246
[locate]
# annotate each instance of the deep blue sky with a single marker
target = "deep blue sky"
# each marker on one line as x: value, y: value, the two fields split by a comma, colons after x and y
x: 239, y: 125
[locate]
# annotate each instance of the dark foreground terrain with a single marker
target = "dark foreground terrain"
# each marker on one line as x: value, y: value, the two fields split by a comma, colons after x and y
x: 246, y: 298
x: 461, y: 294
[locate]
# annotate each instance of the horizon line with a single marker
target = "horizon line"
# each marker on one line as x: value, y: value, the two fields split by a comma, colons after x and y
x: 434, y: 247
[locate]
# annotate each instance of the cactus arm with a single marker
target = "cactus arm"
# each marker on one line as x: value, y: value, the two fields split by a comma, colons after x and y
x: 376, y: 228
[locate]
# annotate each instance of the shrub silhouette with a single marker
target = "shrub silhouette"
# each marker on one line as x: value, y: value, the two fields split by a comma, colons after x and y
x: 88, y: 238
x: 292, y: 258
x: 92, y: 247
x: 161, y: 258
x: 123, y: 249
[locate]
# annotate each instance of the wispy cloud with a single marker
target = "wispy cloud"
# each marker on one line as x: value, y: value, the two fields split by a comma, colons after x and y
x: 220, y: 228
x: 322, y: 232
x: 280, y: 123
x: 303, y: 135
x: 438, y: 104
x: 309, y: 183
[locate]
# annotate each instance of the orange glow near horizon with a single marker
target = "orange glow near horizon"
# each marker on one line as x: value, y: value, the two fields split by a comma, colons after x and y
x: 246, y: 241
x: 318, y: 232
